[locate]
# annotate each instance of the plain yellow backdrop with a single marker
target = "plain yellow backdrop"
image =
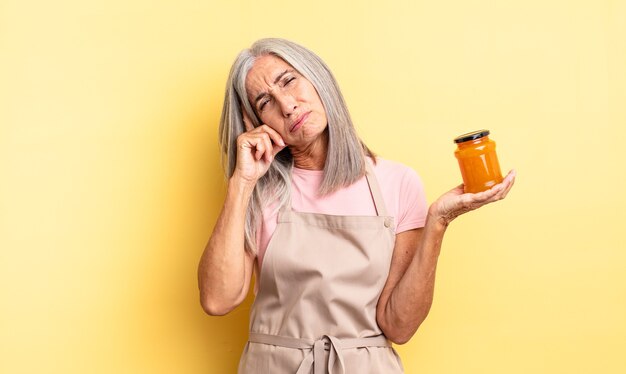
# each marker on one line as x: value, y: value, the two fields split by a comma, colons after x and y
x: 111, y: 181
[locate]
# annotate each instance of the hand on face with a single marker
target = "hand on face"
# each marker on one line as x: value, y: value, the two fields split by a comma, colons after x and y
x: 454, y: 202
x: 256, y: 149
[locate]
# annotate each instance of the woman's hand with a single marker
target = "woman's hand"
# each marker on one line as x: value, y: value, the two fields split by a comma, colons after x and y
x: 256, y: 149
x: 454, y: 202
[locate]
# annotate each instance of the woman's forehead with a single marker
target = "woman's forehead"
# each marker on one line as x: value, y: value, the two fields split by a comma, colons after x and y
x: 264, y: 73
x: 266, y: 69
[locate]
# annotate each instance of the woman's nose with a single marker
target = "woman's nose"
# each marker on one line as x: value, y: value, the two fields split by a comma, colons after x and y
x: 287, y: 105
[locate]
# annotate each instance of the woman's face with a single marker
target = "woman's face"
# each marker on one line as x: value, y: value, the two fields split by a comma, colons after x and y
x: 286, y: 101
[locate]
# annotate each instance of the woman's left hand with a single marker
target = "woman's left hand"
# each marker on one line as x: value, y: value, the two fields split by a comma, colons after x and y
x: 454, y: 202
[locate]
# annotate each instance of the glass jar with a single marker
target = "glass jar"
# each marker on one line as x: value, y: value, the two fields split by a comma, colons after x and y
x: 478, y: 161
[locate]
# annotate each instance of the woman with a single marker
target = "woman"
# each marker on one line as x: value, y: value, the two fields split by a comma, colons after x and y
x: 342, y: 243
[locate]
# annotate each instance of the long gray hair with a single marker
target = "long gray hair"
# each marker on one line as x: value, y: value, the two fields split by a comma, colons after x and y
x: 345, y: 161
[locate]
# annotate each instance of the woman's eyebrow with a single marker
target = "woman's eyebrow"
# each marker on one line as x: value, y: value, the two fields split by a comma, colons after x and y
x: 260, y: 96
x: 281, y: 75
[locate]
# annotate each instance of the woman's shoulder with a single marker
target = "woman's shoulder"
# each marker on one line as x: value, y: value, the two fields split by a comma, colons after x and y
x: 397, y: 178
x: 388, y: 168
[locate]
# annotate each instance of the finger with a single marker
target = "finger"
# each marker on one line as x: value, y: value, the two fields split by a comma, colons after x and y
x: 508, y: 188
x: 277, y: 148
x: 509, y: 177
x: 255, y: 144
x: 507, y: 183
x: 506, y: 192
x: 244, y: 143
x: 273, y: 134
x: 248, y: 146
x: 487, y: 195
x: 247, y: 122
x: 501, y: 189
x: 269, y: 148
x: 265, y: 146
x: 260, y: 150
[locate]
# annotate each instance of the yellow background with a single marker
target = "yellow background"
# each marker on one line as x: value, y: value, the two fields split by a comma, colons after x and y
x: 111, y: 183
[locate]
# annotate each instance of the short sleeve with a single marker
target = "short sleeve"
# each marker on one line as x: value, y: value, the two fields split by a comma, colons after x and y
x: 412, y: 205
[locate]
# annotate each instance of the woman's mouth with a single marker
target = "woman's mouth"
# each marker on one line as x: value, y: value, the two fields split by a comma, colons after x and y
x: 296, y: 125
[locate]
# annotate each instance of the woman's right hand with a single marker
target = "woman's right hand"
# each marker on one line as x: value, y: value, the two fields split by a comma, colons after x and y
x: 256, y: 149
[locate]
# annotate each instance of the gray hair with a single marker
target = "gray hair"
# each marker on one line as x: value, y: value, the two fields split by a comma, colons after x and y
x: 345, y: 161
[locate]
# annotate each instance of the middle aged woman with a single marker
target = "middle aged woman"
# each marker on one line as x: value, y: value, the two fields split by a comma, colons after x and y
x: 342, y: 243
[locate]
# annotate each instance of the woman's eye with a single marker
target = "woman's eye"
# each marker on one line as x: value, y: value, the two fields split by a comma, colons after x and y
x: 263, y: 103
x: 289, y: 80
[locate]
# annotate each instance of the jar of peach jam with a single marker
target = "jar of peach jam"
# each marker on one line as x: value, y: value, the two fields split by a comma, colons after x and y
x: 478, y: 161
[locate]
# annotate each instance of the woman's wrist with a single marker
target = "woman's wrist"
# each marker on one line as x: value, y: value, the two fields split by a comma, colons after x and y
x: 241, y: 186
x: 436, y: 220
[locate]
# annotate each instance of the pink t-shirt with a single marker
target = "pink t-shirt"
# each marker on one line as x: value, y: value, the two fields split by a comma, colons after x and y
x: 400, y: 186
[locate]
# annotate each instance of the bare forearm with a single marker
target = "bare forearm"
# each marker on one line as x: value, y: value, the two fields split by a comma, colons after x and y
x: 222, y: 272
x: 408, y: 294
x: 411, y: 299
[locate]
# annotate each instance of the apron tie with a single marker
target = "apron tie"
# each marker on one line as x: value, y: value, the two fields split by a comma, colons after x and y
x: 315, y: 358
x: 333, y: 345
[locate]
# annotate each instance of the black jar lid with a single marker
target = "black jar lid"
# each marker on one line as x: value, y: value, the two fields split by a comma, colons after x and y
x: 471, y: 136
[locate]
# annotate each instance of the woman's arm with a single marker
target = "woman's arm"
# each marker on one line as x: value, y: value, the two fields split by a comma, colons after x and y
x: 225, y: 268
x: 408, y: 293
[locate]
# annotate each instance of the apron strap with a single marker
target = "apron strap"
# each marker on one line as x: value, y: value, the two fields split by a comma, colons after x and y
x: 315, y: 358
x: 377, y: 196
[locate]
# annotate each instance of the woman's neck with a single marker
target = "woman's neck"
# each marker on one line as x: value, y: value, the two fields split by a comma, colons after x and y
x: 313, y: 156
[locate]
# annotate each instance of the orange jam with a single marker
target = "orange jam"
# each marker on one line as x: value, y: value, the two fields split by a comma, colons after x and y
x: 478, y: 161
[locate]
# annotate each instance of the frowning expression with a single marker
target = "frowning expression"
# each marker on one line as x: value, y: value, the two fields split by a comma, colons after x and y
x: 286, y: 101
